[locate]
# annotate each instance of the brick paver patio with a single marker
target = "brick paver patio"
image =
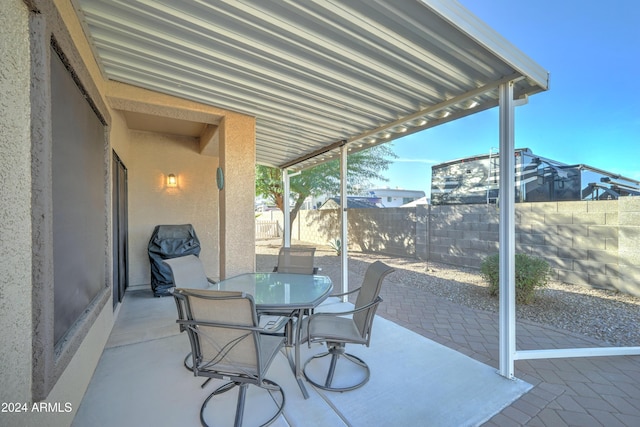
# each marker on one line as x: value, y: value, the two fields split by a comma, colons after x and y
x: 596, y: 391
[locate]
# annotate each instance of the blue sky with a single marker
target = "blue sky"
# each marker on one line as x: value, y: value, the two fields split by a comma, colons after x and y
x: 590, y: 114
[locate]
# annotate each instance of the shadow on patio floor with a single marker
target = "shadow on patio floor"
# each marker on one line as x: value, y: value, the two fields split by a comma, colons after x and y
x: 140, y: 380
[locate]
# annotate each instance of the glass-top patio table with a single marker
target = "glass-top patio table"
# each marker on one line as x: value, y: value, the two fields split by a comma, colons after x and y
x: 281, y: 292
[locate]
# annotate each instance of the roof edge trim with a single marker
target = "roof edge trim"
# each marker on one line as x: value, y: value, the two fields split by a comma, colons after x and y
x: 461, y: 18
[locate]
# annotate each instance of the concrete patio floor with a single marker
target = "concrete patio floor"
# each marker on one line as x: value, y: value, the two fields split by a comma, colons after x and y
x: 603, y: 391
x: 595, y: 391
x: 140, y: 380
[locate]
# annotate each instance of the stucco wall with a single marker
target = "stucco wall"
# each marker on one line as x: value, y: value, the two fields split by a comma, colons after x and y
x: 152, y: 157
x: 119, y: 137
x: 26, y: 301
x: 48, y: 367
x: 15, y: 205
x: 237, y: 136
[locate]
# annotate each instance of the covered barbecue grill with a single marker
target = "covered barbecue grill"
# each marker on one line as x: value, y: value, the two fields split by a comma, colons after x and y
x: 169, y: 241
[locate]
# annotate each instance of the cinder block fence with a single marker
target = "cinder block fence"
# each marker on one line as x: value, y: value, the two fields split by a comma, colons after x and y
x: 593, y: 243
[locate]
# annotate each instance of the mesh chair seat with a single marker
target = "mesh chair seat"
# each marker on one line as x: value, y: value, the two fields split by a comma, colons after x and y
x: 337, y: 331
x: 227, y: 343
x: 188, y: 272
x: 293, y: 260
x: 269, y: 347
x: 335, y: 328
x: 296, y: 260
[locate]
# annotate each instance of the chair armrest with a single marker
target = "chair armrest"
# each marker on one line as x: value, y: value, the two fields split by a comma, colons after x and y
x: 375, y: 302
x: 346, y: 293
x: 191, y: 324
x: 180, y: 311
x: 274, y: 327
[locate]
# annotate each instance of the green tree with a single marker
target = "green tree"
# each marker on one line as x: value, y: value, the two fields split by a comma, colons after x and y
x: 363, y: 168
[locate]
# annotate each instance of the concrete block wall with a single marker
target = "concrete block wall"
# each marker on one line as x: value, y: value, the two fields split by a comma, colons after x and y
x: 317, y: 226
x: 578, y: 239
x: 629, y: 246
x: 391, y: 231
x: 593, y: 243
x: 462, y: 234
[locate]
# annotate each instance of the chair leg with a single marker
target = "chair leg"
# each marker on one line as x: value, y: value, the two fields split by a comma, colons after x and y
x: 269, y: 386
x: 188, y: 362
x: 336, y: 352
x: 240, y: 407
x: 332, y: 370
x: 222, y: 389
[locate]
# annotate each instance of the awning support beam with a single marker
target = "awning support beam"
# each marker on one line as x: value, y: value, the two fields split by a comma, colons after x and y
x: 507, y: 318
x: 313, y: 154
x: 508, y: 353
x: 344, y: 262
x: 431, y: 122
x: 286, y: 193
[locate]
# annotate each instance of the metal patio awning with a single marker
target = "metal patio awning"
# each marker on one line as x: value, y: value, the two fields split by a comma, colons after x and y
x: 317, y: 74
x: 313, y: 73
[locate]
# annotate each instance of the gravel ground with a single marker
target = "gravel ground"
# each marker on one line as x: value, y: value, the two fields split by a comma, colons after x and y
x: 605, y: 315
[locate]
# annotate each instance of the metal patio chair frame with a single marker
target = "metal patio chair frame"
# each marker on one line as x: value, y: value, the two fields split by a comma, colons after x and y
x: 227, y: 343
x: 336, y: 330
x: 296, y: 260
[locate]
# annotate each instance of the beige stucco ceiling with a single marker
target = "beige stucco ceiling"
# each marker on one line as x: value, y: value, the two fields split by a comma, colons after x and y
x: 314, y: 74
x: 167, y: 125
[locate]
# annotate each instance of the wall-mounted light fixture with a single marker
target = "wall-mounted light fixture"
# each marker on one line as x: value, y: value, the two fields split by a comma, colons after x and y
x: 172, y: 181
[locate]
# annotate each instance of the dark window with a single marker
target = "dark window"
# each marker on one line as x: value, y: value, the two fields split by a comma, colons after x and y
x: 79, y: 205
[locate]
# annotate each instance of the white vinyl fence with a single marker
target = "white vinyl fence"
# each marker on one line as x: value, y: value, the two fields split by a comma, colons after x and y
x: 267, y: 229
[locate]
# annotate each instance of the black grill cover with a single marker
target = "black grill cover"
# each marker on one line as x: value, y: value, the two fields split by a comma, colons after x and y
x: 169, y: 241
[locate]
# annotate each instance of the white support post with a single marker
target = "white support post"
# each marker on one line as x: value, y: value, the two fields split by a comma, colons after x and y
x: 344, y: 263
x: 507, y: 318
x: 286, y: 193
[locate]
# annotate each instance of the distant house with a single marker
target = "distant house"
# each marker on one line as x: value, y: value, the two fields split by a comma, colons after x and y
x: 395, y: 197
x: 421, y: 201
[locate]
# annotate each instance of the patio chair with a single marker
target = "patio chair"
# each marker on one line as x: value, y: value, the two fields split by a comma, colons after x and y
x: 188, y: 272
x: 293, y: 260
x: 337, y: 331
x: 227, y: 343
x: 296, y: 260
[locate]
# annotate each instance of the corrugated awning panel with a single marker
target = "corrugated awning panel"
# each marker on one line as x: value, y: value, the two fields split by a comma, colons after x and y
x: 312, y: 73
